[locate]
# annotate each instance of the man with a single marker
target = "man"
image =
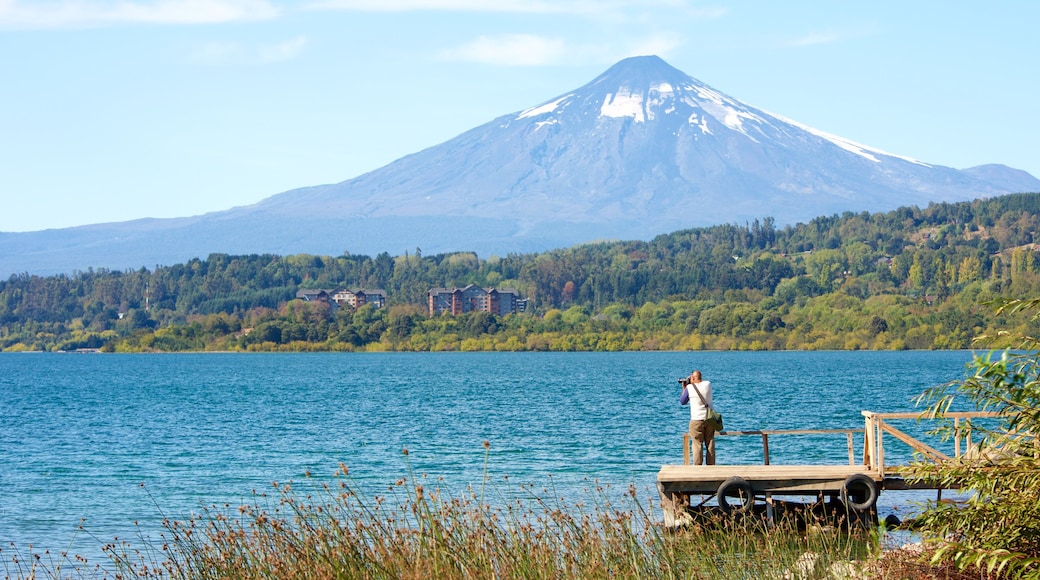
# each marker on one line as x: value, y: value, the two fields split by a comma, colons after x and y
x: 701, y: 431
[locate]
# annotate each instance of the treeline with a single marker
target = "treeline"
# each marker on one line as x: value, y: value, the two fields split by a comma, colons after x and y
x: 910, y: 278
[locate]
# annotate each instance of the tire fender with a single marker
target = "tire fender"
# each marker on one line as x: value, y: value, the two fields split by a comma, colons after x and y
x: 861, y: 487
x: 739, y: 489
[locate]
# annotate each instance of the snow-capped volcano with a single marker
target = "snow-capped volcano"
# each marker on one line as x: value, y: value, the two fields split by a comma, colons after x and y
x: 641, y: 150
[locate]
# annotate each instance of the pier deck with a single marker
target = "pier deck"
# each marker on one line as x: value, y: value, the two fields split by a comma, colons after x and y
x: 857, y: 484
x: 779, y: 479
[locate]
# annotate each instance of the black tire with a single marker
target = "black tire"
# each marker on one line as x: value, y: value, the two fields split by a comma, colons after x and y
x: 739, y: 489
x: 859, y: 492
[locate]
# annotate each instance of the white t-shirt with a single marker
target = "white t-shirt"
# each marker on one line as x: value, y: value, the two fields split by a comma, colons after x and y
x: 698, y: 412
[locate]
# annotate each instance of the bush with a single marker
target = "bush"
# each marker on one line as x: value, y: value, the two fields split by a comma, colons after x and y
x: 998, y: 526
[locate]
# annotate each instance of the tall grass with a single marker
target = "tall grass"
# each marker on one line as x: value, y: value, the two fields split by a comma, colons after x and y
x: 330, y: 529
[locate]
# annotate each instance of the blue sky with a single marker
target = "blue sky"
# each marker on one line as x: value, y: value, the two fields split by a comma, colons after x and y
x: 113, y: 110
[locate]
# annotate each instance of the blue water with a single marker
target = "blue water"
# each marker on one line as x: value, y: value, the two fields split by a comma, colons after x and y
x: 117, y: 439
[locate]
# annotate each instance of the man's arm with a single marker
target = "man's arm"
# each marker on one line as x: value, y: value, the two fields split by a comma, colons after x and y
x: 685, y: 398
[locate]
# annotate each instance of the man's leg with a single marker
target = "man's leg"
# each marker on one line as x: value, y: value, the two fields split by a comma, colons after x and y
x: 709, y: 437
x: 697, y: 435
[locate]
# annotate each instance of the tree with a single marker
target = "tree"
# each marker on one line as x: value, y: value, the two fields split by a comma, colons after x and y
x: 916, y: 273
x: 825, y: 266
x: 970, y: 270
x: 878, y: 325
x: 569, y: 289
x: 998, y: 527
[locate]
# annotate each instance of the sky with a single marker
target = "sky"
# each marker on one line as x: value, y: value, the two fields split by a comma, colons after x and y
x: 112, y: 110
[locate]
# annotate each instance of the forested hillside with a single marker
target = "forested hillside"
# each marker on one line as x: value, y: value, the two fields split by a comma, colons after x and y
x: 910, y: 278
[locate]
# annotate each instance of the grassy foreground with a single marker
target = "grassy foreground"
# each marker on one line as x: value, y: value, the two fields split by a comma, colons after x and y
x: 330, y: 530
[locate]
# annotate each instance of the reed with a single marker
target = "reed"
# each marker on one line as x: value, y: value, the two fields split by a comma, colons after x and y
x: 416, y: 530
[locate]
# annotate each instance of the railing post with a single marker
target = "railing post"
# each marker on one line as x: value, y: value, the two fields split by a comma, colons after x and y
x: 880, y: 447
x: 869, y: 440
x: 852, y: 454
x: 866, y: 447
x: 765, y: 447
x: 967, y: 441
x: 686, y: 448
x: 956, y: 436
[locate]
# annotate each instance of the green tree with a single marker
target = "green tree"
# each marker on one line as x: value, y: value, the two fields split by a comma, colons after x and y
x: 825, y: 267
x: 916, y: 273
x: 970, y: 269
x: 998, y: 527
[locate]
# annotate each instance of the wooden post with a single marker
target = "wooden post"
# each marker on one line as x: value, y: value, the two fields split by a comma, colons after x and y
x: 956, y: 437
x: 670, y: 507
x: 686, y: 448
x: 765, y: 448
x: 852, y: 454
x: 866, y: 447
x: 869, y: 448
x: 880, y: 447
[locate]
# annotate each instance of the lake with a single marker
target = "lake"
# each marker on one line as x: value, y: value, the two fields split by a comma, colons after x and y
x: 114, y: 439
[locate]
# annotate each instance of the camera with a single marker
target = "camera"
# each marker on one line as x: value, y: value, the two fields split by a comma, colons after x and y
x: 684, y: 381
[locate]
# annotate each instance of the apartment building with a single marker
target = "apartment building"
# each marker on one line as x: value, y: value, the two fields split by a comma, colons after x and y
x: 473, y: 298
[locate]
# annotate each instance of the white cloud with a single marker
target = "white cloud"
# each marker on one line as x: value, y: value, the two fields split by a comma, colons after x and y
x: 659, y: 44
x: 509, y: 50
x: 589, y: 7
x: 233, y: 53
x: 217, y: 53
x: 98, y: 13
x: 436, y: 5
x: 533, y: 50
x: 815, y: 38
x: 283, y: 51
x: 713, y: 13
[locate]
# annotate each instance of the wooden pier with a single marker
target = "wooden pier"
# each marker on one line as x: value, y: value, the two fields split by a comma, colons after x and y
x: 856, y: 485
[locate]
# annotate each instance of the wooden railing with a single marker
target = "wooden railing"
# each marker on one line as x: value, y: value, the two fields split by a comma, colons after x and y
x: 876, y: 425
x: 765, y: 440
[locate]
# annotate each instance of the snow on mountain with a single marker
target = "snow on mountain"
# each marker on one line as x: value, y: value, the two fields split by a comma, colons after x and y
x: 642, y: 149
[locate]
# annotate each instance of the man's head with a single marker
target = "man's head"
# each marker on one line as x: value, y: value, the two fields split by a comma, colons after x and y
x: 695, y: 376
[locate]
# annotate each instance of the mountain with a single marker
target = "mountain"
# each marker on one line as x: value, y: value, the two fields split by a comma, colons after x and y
x: 641, y: 150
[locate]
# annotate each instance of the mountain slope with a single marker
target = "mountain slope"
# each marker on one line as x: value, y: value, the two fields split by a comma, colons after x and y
x: 641, y: 150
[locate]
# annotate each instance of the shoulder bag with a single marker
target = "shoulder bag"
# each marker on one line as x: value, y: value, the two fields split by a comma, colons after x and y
x: 714, y: 416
